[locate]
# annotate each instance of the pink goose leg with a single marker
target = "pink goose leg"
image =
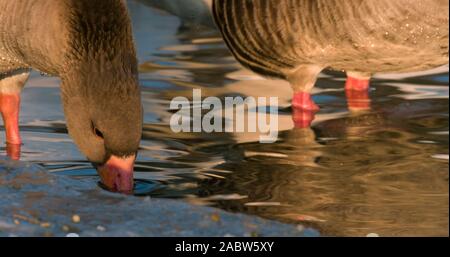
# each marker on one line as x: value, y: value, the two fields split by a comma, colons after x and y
x: 10, y: 88
x: 9, y: 107
x: 304, y: 101
x: 303, y: 107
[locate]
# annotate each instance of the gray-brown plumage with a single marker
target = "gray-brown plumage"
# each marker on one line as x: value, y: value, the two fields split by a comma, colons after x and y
x: 296, y: 39
x: 89, y: 44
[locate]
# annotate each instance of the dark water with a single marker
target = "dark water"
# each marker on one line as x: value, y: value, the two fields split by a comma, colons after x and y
x: 383, y: 171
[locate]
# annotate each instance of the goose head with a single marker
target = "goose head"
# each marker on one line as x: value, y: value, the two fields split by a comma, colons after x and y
x: 104, y: 117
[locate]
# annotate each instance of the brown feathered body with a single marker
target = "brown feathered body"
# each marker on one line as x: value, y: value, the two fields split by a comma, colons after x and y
x: 293, y: 38
x: 89, y: 45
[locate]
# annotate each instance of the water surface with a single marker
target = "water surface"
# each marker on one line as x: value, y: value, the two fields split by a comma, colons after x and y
x: 382, y: 171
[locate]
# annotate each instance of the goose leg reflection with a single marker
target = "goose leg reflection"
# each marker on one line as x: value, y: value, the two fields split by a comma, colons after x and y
x: 13, y: 151
x: 303, y: 109
x: 357, y: 91
x: 302, y: 118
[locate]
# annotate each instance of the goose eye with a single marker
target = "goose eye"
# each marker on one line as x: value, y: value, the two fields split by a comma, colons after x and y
x: 97, y: 132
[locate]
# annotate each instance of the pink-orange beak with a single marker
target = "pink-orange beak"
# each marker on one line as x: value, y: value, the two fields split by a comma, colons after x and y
x: 117, y: 174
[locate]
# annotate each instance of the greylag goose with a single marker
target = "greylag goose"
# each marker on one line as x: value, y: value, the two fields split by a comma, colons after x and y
x: 89, y: 45
x: 296, y: 39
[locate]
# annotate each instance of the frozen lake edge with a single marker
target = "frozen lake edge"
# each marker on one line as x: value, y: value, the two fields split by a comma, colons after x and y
x: 35, y: 202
